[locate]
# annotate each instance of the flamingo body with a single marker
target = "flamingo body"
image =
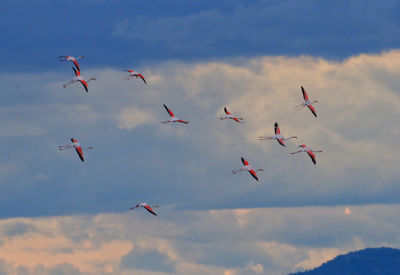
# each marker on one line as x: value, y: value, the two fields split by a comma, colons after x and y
x: 173, y: 118
x: 310, y: 153
x: 145, y: 206
x: 307, y: 102
x: 230, y: 116
x: 79, y: 78
x: 70, y: 58
x: 281, y: 140
x: 249, y: 168
x: 134, y: 74
x: 78, y: 148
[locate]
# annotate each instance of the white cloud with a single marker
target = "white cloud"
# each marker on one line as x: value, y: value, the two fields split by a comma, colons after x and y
x: 130, y: 118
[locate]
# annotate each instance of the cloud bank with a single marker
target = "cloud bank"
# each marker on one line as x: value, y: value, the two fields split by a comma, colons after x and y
x: 137, y: 158
x: 240, y: 241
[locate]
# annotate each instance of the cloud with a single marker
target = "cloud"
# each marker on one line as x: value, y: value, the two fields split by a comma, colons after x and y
x: 147, y: 260
x: 271, y: 241
x: 260, y: 27
x: 189, y: 166
x: 130, y: 118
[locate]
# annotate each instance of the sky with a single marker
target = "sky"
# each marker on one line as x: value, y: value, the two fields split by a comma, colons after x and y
x: 62, y: 216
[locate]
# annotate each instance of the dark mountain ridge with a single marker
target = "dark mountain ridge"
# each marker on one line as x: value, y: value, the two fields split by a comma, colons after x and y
x: 369, y: 261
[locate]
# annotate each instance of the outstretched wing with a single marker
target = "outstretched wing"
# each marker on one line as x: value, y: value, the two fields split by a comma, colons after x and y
x: 245, y: 162
x: 168, y: 110
x: 277, y: 130
x: 76, y: 64
x: 305, y: 96
x: 312, y: 156
x: 77, y: 73
x: 79, y: 152
x: 148, y: 208
x: 226, y: 111
x: 141, y: 76
x: 253, y: 174
x: 85, y: 85
x: 281, y: 141
x: 312, y: 110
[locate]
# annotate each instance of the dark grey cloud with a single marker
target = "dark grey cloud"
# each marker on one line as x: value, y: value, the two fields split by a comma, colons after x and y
x: 133, y: 33
x: 147, y: 259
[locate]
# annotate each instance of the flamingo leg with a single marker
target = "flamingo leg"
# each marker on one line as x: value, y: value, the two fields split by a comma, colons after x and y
x: 69, y: 83
x: 296, y: 152
x: 64, y: 147
x: 265, y: 138
x: 129, y: 77
x: 289, y: 138
x: 237, y: 171
x: 302, y: 106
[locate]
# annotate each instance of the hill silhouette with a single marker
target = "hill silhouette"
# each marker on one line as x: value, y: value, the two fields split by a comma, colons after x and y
x: 369, y: 261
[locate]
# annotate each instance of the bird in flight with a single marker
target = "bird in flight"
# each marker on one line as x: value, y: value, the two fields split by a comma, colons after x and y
x: 65, y: 58
x: 173, y: 117
x: 145, y: 206
x: 281, y: 140
x: 78, y: 148
x: 79, y: 77
x: 309, y: 152
x: 230, y: 116
x: 134, y: 74
x: 306, y: 103
x: 249, y: 168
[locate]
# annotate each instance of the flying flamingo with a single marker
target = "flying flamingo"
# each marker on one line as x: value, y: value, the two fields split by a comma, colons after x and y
x: 65, y: 58
x: 307, y: 103
x: 77, y: 146
x: 145, y: 206
x: 309, y: 152
x: 277, y: 136
x: 247, y: 167
x: 79, y: 78
x: 134, y: 74
x: 173, y: 117
x: 230, y: 116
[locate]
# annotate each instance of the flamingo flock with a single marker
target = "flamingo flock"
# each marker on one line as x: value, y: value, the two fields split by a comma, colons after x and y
x: 173, y: 119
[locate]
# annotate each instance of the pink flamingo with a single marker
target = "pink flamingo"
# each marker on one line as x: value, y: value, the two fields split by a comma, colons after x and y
x: 134, y: 74
x: 247, y: 167
x: 277, y: 136
x: 65, y: 58
x: 145, y: 206
x: 306, y: 103
x: 309, y: 152
x: 230, y: 116
x: 173, y: 117
x: 75, y: 144
x: 79, y: 77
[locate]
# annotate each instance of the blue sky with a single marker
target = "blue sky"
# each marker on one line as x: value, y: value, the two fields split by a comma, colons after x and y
x: 197, y: 58
x: 119, y: 33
